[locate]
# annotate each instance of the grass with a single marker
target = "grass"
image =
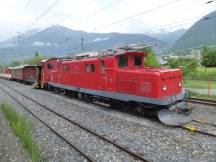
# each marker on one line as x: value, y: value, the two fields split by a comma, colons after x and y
x: 22, y: 129
x: 202, y: 96
x: 201, y: 84
x: 202, y: 71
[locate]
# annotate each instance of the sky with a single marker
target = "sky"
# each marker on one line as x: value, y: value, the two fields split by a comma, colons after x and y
x: 126, y: 16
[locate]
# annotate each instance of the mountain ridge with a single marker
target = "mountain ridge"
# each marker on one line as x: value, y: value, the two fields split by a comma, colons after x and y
x: 60, y: 40
x: 203, y: 32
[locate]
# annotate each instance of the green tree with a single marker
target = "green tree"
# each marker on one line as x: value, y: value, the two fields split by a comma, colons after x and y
x: 173, y: 63
x: 190, y: 66
x: 15, y: 63
x: 208, y: 57
x: 35, y: 60
x: 150, y: 59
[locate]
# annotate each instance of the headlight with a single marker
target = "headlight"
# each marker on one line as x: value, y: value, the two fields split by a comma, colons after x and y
x: 179, y: 84
x: 164, y: 87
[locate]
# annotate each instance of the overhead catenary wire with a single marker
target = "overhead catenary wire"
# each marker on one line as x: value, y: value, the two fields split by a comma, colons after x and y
x: 151, y: 29
x: 88, y: 16
x: 70, y: 15
x: 46, y: 11
x: 138, y: 14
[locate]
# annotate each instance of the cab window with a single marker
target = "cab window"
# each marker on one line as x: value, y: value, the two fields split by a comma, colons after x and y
x: 49, y: 66
x: 87, y: 68
x: 137, y: 60
x: 123, y: 61
x: 92, y: 68
x: 102, y: 67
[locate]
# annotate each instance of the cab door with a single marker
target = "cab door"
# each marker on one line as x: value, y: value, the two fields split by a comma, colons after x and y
x: 110, y: 73
x: 107, y: 74
x: 102, y: 75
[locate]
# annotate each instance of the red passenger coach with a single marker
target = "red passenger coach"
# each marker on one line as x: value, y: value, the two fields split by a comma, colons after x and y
x: 5, y: 73
x: 28, y: 74
x: 114, y: 75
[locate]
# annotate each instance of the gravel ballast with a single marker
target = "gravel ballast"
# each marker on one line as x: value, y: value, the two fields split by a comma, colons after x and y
x: 152, y: 140
x: 11, y: 148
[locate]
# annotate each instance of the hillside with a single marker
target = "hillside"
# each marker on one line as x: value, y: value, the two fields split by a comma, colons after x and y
x: 203, y: 32
x: 59, y: 41
x: 169, y: 37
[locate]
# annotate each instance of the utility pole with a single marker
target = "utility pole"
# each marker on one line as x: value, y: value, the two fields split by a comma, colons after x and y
x: 82, y: 43
x: 19, y: 35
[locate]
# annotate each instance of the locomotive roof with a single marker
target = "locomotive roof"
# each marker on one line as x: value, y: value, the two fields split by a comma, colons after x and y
x: 95, y: 54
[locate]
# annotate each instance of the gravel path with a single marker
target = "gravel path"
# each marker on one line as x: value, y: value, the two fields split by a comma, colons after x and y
x: 11, y: 149
x: 154, y: 141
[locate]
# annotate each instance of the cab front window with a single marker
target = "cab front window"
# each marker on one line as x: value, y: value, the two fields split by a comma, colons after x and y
x: 137, y: 60
x: 123, y: 61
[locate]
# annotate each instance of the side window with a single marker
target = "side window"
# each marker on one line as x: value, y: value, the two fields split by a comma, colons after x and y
x: 92, y: 68
x: 102, y: 67
x: 49, y: 66
x: 123, y: 61
x: 137, y: 60
x: 87, y: 67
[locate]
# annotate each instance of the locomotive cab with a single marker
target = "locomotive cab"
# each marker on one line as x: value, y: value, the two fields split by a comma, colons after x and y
x: 131, y: 60
x: 158, y: 83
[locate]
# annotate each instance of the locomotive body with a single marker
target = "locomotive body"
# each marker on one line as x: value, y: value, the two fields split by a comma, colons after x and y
x: 114, y: 77
x: 121, y: 76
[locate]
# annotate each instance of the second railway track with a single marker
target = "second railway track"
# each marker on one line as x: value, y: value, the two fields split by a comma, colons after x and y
x: 202, y: 101
x: 93, y: 132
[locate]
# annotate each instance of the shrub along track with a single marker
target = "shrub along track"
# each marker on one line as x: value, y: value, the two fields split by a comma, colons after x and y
x: 93, y: 132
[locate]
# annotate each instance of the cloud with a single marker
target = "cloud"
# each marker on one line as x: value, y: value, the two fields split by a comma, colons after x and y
x: 38, y: 44
x: 41, y: 44
x: 100, y: 39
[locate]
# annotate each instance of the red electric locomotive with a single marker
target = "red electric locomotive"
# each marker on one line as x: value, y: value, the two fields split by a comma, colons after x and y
x: 118, y: 75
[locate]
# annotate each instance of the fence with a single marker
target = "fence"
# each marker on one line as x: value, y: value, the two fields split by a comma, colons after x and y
x: 205, y: 85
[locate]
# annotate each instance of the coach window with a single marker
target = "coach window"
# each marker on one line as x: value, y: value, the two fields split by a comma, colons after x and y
x: 137, y: 60
x: 87, y: 68
x: 123, y: 61
x: 92, y: 68
x: 49, y: 66
x: 102, y: 67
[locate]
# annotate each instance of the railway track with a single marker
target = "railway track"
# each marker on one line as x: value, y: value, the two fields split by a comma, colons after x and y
x: 202, y: 101
x: 201, y: 127
x: 93, y: 132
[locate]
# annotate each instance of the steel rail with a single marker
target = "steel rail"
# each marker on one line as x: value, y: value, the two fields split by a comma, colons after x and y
x: 59, y: 135
x: 202, y: 101
x: 113, y: 142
